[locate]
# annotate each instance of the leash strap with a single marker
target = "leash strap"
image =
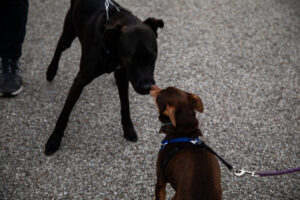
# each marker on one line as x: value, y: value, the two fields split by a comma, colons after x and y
x: 236, y: 172
x: 281, y: 172
x: 107, y: 4
x: 252, y: 173
x: 214, y: 153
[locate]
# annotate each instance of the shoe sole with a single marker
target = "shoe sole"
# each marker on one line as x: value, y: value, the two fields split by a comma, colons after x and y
x: 15, y: 93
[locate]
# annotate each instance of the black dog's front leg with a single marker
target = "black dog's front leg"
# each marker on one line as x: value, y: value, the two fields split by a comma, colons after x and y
x: 54, y: 140
x: 122, y: 83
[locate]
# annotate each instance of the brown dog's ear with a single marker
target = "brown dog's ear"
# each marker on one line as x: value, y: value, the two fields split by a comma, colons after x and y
x: 154, y: 24
x: 197, y: 102
x: 112, y: 34
x: 170, y: 112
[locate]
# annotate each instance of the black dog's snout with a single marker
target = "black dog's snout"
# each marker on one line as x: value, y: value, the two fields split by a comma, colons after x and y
x: 147, y: 86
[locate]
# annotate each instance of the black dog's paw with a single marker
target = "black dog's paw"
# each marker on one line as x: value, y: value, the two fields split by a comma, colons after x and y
x: 130, y: 134
x: 52, y: 145
x: 51, y: 72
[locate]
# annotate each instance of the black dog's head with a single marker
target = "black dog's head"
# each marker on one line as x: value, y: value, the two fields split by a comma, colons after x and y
x: 136, y: 48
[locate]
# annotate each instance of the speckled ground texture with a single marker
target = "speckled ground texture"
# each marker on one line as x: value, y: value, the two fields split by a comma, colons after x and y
x: 242, y: 57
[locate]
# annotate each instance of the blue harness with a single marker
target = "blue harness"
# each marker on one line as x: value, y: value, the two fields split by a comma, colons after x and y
x: 194, y: 141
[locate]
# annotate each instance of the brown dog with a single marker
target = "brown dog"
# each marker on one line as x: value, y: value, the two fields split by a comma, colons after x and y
x: 192, y: 171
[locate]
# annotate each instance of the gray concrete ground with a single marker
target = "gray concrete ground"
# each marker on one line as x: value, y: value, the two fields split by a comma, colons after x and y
x: 242, y: 57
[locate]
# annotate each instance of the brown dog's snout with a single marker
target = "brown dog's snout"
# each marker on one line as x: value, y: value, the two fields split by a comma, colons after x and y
x: 154, y: 91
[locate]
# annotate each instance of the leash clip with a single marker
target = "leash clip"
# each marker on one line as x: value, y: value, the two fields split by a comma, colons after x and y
x: 242, y: 172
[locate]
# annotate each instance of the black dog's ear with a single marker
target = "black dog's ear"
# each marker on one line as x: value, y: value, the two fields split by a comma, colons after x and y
x: 112, y: 34
x: 154, y: 24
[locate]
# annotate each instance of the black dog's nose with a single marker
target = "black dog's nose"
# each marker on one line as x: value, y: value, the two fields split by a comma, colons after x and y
x: 147, y: 87
x: 143, y: 87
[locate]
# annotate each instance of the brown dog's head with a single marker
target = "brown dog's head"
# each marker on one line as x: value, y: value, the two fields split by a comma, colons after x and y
x: 136, y: 48
x: 178, y: 107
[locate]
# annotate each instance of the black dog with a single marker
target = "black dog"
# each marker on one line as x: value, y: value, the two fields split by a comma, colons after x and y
x: 114, y: 41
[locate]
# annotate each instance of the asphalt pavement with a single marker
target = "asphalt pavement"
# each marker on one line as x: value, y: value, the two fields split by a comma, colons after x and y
x: 241, y: 57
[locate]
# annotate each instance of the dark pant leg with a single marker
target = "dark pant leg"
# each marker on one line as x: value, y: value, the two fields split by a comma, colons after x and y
x: 13, y: 18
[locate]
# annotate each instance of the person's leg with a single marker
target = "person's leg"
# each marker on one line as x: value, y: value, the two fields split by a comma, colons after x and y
x: 13, y: 19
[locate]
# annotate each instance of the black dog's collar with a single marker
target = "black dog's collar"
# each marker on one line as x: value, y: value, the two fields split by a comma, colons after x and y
x: 115, y: 68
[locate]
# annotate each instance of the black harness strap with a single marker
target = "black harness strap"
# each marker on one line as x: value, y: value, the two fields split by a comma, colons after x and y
x: 199, y: 144
x: 167, y: 159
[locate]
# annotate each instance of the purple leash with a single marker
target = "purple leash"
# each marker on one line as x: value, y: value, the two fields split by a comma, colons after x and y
x: 262, y: 174
x: 276, y: 173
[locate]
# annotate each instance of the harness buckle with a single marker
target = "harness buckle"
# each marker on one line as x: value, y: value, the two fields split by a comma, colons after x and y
x: 194, y: 141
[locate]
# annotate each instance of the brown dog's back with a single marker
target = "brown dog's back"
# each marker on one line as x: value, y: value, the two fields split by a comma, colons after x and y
x: 193, y: 172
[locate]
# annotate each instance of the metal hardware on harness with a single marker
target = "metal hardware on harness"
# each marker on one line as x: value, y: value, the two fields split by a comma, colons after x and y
x: 243, y: 172
x: 107, y: 4
x: 195, y: 141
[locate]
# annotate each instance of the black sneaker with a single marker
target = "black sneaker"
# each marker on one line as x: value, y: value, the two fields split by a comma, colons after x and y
x: 11, y: 83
